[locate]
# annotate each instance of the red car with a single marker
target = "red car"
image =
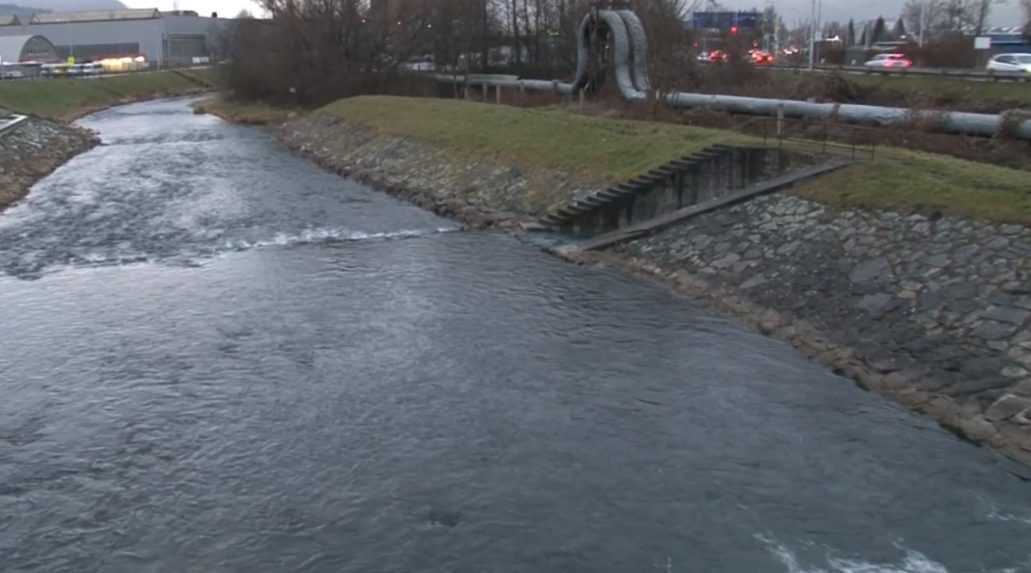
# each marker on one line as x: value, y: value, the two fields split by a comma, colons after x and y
x: 717, y: 56
x: 761, y: 57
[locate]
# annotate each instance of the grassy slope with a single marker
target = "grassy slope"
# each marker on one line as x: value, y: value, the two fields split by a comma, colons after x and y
x: 909, y: 181
x: 66, y: 98
x: 616, y: 150
x: 595, y: 148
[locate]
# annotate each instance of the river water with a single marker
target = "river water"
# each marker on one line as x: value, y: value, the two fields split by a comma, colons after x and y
x: 216, y: 357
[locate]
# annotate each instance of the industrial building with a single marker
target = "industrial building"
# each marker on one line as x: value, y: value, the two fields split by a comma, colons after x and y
x: 23, y: 49
x: 163, y: 38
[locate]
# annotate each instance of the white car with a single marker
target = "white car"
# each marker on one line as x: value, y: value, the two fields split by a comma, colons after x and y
x: 888, y: 62
x: 1010, y: 63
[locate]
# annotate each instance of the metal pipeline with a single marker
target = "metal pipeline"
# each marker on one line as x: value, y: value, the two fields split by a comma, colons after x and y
x: 630, y: 66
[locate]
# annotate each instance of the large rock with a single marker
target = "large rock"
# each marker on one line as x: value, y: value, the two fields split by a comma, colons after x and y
x: 877, y: 304
x: 878, y: 269
x: 1006, y: 407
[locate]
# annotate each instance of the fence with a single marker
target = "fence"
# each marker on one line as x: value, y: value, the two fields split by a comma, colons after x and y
x: 954, y: 73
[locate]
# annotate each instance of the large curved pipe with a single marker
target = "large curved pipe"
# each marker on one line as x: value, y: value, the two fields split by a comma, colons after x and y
x: 583, y: 53
x: 951, y: 122
x: 639, y: 50
x: 621, y: 53
x: 630, y: 65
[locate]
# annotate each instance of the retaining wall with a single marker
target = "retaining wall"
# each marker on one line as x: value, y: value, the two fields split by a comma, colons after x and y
x: 935, y: 311
x: 707, y: 176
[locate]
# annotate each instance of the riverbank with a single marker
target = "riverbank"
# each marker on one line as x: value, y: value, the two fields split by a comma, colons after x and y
x: 32, y: 150
x: 486, y: 165
x: 45, y: 141
x: 245, y: 113
x: 65, y: 100
x: 934, y: 312
x: 906, y: 272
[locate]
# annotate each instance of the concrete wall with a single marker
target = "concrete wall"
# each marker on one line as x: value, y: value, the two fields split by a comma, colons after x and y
x: 705, y: 179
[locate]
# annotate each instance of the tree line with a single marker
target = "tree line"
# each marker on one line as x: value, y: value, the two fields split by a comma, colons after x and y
x: 314, y: 51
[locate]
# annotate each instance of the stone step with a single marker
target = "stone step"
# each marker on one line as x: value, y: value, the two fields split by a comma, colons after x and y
x: 591, y: 202
x: 611, y: 195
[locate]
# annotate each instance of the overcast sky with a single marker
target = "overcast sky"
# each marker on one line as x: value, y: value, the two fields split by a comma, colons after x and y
x: 1003, y: 14
x: 228, y: 8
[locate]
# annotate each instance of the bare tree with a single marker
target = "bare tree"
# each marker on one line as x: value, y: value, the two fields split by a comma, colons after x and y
x: 1025, y: 5
x: 981, y: 10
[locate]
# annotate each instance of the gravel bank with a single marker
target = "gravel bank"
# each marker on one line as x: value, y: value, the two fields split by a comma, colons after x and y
x: 33, y: 149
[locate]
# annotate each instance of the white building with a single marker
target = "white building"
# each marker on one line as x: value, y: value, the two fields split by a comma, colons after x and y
x: 164, y: 38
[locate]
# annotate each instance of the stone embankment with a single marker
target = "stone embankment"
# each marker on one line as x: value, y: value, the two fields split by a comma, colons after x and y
x: 33, y: 149
x: 933, y: 311
x: 478, y: 192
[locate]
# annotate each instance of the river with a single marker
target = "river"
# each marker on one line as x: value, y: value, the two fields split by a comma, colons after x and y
x: 216, y: 357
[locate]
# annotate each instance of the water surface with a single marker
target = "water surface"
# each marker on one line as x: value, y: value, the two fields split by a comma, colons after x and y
x: 218, y: 358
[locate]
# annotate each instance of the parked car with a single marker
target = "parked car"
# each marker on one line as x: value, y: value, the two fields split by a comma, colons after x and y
x: 761, y: 57
x: 1010, y: 63
x: 718, y: 56
x: 889, y: 61
x: 419, y: 65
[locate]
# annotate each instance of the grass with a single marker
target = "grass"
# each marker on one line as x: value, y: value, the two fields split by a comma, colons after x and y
x: 65, y: 99
x: 615, y: 150
x: 594, y: 148
x: 252, y: 113
x: 914, y: 182
x: 949, y: 91
x: 918, y: 90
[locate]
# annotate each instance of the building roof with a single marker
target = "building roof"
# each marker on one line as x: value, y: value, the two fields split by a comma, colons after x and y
x: 95, y: 16
x: 12, y: 47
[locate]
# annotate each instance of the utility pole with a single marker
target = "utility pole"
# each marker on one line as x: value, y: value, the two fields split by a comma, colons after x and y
x: 812, y: 37
x: 923, y: 22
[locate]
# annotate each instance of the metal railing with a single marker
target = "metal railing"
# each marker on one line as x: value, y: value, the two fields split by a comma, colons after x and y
x: 952, y: 73
x: 827, y: 137
x: 9, y: 122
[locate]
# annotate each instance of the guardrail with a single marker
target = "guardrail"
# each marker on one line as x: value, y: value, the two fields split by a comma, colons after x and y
x: 954, y: 73
x: 10, y: 122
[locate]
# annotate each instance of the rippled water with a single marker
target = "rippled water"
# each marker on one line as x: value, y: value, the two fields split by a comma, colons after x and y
x: 217, y: 358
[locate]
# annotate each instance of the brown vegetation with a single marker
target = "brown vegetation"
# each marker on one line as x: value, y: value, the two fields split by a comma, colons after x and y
x: 311, y: 52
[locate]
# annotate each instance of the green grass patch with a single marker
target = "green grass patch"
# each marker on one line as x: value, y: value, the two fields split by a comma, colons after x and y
x: 64, y: 99
x: 610, y: 150
x: 209, y: 76
x: 914, y: 182
x: 594, y: 148
x: 898, y: 90
x: 950, y: 91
